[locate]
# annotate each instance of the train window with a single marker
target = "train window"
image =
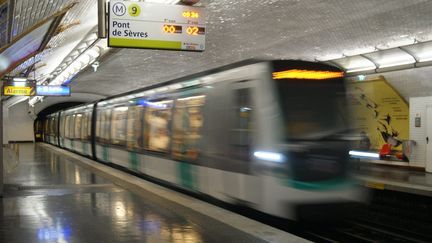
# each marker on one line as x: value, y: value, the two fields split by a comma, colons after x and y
x: 157, y: 125
x: 98, y: 125
x: 187, y: 124
x: 134, y: 127
x: 72, y: 127
x: 310, y: 109
x: 78, y: 125
x: 62, y: 125
x: 87, y: 131
x: 46, y: 125
x: 66, y: 129
x: 52, y: 128
x: 84, y: 125
x: 102, y: 126
x: 118, y: 125
x: 241, y: 128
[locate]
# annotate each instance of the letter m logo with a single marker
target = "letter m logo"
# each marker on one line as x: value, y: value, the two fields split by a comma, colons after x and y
x: 119, y: 9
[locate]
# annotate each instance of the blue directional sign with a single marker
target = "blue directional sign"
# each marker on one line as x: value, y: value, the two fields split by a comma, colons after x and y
x: 52, y: 90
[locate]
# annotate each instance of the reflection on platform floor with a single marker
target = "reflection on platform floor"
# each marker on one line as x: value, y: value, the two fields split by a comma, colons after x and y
x: 49, y: 198
x: 395, y: 174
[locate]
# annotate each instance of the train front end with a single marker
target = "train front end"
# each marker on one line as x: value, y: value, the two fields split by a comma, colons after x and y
x: 309, y: 152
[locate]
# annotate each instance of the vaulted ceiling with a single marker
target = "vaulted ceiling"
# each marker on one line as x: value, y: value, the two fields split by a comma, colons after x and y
x: 237, y: 30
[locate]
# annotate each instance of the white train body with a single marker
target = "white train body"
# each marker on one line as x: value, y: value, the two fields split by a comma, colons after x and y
x: 226, y: 134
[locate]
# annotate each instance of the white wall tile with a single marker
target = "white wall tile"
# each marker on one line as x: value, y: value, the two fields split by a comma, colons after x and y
x: 418, y: 134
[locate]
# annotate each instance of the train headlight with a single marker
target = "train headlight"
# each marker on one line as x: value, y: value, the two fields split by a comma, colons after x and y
x: 269, y: 156
x: 363, y: 154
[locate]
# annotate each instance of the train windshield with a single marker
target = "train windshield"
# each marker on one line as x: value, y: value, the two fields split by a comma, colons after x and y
x: 312, y: 109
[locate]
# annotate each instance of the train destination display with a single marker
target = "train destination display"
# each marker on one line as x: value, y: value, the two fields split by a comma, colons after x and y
x: 156, y: 26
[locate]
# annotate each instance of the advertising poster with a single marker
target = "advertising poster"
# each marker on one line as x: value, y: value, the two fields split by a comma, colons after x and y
x: 380, y: 114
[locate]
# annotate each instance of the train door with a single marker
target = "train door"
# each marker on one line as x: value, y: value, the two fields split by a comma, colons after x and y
x: 429, y: 139
x: 241, y: 121
x: 240, y: 141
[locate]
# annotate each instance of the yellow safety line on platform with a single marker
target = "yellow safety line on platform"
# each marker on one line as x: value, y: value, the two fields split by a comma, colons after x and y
x: 375, y: 185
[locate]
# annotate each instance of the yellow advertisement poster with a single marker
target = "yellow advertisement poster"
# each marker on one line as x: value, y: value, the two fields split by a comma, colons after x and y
x: 380, y: 113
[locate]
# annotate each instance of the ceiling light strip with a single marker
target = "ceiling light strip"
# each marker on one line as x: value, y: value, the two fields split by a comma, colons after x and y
x: 370, y: 60
x: 417, y: 59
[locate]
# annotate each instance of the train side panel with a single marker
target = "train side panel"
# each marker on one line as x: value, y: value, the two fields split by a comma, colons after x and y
x: 205, y: 137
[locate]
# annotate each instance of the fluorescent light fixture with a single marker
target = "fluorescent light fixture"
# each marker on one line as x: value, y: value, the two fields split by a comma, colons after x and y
x: 79, y: 63
x: 122, y: 108
x: 18, y: 79
x: 269, y: 156
x: 363, y: 154
x: 360, y: 69
x: 396, y: 64
x: 426, y: 59
x: 19, y: 83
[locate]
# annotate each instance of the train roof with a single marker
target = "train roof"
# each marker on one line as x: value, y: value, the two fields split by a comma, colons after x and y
x: 205, y: 73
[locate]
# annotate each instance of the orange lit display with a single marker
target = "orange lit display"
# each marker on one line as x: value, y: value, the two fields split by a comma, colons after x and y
x: 172, y: 29
x: 192, y: 30
x: 195, y: 30
x: 306, y: 74
x: 190, y: 14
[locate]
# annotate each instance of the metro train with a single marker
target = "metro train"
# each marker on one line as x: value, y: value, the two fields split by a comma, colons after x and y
x: 269, y: 135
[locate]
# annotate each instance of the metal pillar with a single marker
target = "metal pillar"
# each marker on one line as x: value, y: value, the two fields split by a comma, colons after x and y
x: 10, y: 14
x: 1, y: 142
x: 102, y: 19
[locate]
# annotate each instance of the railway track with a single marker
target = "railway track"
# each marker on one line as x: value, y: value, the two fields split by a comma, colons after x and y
x: 391, y: 217
x: 351, y: 231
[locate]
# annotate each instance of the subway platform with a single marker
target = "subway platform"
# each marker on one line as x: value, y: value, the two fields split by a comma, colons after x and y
x: 52, y: 195
x: 394, y: 178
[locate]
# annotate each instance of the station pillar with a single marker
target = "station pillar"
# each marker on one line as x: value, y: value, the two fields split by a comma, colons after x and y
x: 1, y: 144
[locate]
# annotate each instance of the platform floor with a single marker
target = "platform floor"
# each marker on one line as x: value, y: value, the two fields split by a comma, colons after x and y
x: 396, y: 178
x: 50, y: 197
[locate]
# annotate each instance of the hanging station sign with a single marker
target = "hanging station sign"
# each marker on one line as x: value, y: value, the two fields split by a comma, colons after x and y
x: 19, y: 88
x: 53, y: 90
x: 156, y: 26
